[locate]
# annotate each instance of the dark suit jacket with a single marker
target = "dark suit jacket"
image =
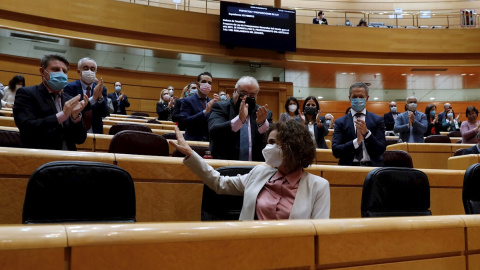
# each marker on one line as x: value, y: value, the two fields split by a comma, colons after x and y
x: 99, y: 110
x: 320, y: 133
x: 438, y: 128
x: 441, y: 116
x: 176, y: 115
x: 195, y: 121
x: 315, y: 21
x: 35, y: 116
x: 389, y: 121
x: 468, y: 151
x: 224, y: 143
x: 123, y: 104
x: 344, y: 134
x: 163, y: 111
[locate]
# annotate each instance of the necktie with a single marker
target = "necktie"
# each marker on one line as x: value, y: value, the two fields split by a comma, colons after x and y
x: 56, y: 101
x: 203, y: 103
x: 87, y: 115
x: 359, y: 150
x: 244, y: 143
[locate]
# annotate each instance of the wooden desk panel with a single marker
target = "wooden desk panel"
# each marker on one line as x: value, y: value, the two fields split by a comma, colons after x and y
x: 462, y: 162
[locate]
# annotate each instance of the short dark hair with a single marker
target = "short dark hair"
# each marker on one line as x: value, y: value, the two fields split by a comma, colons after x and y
x: 296, y: 142
x: 310, y: 98
x: 49, y: 57
x: 320, y: 12
x: 428, y: 109
x: 204, y: 73
x: 15, y: 80
x: 358, y: 85
x: 288, y: 103
x: 470, y: 109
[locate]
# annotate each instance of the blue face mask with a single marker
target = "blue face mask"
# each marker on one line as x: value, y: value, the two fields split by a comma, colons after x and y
x: 118, y: 88
x: 223, y: 97
x: 193, y: 92
x: 327, y: 123
x: 393, y: 109
x: 58, y: 80
x: 432, y: 113
x: 358, y: 104
x: 450, y: 115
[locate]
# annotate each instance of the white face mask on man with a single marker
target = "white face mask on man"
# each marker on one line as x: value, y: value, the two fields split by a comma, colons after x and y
x: 88, y: 76
x: 273, y: 155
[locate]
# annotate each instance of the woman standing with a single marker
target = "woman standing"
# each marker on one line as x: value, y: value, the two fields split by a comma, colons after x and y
x: 470, y: 128
x: 291, y: 108
x: 434, y: 127
x: 451, y: 123
x: 314, y: 122
x: 165, y: 106
x: 13, y: 85
x: 282, y: 190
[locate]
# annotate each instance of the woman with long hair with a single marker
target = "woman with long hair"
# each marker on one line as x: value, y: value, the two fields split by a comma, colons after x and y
x: 314, y: 122
x: 13, y: 85
x: 291, y: 108
x: 165, y: 106
x: 434, y: 126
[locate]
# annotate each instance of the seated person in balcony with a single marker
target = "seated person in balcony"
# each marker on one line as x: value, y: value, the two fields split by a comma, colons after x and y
x: 237, y: 125
x: 165, y: 106
x: 320, y: 19
x: 362, y: 23
x: 47, y: 117
x: 347, y: 22
x: 282, y: 190
x: 450, y: 122
x: 411, y: 124
x: 359, y: 136
x: 474, y: 149
x: 119, y: 100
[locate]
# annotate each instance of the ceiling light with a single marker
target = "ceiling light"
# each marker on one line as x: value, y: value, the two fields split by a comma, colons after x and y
x: 432, y: 98
x: 463, y: 74
x: 375, y: 98
x: 320, y: 97
x: 471, y: 74
x: 344, y: 73
x: 378, y: 74
x: 403, y: 74
x: 352, y: 73
x: 437, y: 74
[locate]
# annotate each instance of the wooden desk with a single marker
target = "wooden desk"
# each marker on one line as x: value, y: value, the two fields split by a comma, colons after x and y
x: 152, y: 126
x: 462, y: 162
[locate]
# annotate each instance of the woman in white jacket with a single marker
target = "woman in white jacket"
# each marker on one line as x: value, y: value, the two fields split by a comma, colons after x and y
x: 15, y: 83
x: 282, y: 190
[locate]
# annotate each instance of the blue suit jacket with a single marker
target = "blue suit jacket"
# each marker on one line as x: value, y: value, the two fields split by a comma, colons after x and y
x: 419, y: 127
x: 194, y: 120
x: 123, y: 104
x: 99, y: 110
x: 344, y: 134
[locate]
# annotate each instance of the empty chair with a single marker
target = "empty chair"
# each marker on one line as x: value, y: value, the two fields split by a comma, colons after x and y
x: 127, y: 126
x: 437, y: 139
x: 223, y: 207
x: 10, y: 138
x: 139, y: 143
x: 397, y: 158
x: 389, y: 192
x: 170, y: 136
x: 140, y: 114
x: 471, y: 190
x: 200, y: 150
x: 459, y: 152
x: 455, y: 133
x: 391, y: 141
x: 79, y: 191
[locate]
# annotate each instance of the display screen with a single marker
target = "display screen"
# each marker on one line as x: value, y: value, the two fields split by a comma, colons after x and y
x: 261, y: 27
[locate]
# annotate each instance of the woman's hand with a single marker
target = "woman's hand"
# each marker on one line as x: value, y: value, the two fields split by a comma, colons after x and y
x: 181, y: 145
x: 319, y: 123
x: 302, y: 116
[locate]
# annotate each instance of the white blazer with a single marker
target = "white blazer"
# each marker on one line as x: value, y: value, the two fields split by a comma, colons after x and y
x: 312, y: 200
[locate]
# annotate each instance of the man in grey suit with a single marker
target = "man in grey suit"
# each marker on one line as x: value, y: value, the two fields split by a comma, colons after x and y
x: 411, y: 124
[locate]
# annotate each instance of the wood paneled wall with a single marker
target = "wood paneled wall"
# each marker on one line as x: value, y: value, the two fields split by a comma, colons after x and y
x: 143, y: 88
x: 170, y: 30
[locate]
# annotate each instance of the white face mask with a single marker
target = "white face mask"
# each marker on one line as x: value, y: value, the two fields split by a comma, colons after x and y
x: 273, y: 155
x: 412, y: 107
x: 88, y: 76
x: 292, y: 108
x: 166, y: 97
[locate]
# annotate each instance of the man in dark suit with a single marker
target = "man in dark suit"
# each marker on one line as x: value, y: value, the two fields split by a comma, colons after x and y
x: 472, y: 150
x: 119, y: 99
x: 195, y: 110
x: 411, y: 124
x: 390, y: 117
x: 359, y: 136
x: 237, y: 125
x: 46, y: 117
x: 320, y: 19
x: 96, y: 93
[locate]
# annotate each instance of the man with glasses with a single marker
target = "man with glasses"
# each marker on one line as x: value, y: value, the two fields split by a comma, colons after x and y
x: 237, y: 125
x: 320, y: 19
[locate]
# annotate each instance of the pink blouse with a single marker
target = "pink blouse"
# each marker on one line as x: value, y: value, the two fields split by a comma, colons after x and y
x: 468, y: 133
x: 275, y: 200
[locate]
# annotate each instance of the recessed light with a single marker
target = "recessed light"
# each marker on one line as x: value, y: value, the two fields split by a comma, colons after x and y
x: 437, y: 74
x: 432, y: 98
x: 320, y: 97
x: 463, y: 74
x: 411, y: 74
x: 344, y: 73
x: 378, y: 74
x: 352, y: 73
x: 403, y: 74
x: 375, y: 98
x: 471, y: 74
